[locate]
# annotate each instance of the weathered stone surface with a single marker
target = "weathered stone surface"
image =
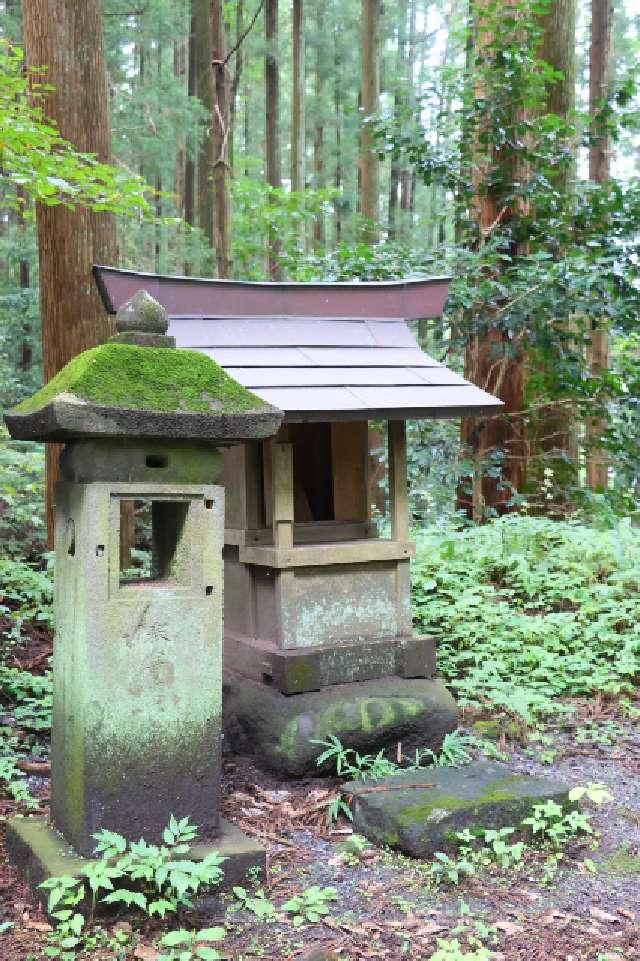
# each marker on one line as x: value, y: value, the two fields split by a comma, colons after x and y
x: 310, y: 669
x: 418, y: 821
x: 39, y: 852
x: 366, y: 715
x: 123, y: 390
x: 143, y: 340
x: 142, y: 313
x: 136, y: 665
x: 151, y: 461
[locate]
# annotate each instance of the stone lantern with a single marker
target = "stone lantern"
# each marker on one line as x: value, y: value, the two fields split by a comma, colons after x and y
x: 138, y: 652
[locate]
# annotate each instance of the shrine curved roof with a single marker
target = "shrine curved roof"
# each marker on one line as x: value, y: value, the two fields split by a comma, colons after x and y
x: 319, y: 351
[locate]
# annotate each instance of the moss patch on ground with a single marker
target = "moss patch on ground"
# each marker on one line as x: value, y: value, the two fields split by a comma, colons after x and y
x: 621, y: 862
x: 147, y: 378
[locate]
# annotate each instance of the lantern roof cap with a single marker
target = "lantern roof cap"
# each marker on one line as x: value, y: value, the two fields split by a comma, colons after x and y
x: 123, y: 389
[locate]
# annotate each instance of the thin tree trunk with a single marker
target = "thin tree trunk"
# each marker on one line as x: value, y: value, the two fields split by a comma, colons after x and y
x: 600, y: 58
x: 26, y: 353
x: 204, y: 89
x: 246, y: 127
x: 235, y: 83
x: 179, y: 70
x: 297, y: 97
x: 399, y: 101
x: 320, y: 76
x: 66, y: 36
x: 369, y: 173
x: 220, y: 123
x: 272, y: 131
x: 337, y: 110
x: 190, y: 166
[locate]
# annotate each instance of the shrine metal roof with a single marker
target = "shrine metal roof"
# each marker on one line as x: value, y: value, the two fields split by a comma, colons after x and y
x: 319, y: 351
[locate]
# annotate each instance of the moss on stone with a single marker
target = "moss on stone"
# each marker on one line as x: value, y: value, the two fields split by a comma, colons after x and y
x: 146, y: 378
x: 622, y: 862
x: 438, y: 807
x: 430, y: 810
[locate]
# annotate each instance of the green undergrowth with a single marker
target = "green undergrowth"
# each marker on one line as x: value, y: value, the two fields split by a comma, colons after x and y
x: 151, y: 378
x: 530, y: 610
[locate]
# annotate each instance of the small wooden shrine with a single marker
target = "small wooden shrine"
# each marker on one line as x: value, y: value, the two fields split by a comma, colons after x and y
x: 314, y: 595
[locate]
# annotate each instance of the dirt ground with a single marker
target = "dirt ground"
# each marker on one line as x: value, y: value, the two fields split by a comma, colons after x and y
x: 386, y: 907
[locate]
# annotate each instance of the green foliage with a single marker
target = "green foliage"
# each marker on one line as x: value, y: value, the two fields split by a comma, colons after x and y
x: 27, y: 698
x: 453, y: 753
x: 20, y: 348
x: 22, y: 523
x: 157, y: 879
x: 352, y: 849
x: 477, y: 850
x: 26, y: 595
x: 192, y: 945
x: 531, y: 610
x: 37, y: 159
x: 452, y: 950
x: 256, y: 902
x: 310, y: 906
x: 551, y: 823
x: 351, y: 764
x: 261, y: 211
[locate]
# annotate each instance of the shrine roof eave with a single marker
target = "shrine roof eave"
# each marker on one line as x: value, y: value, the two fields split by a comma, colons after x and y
x: 408, y: 299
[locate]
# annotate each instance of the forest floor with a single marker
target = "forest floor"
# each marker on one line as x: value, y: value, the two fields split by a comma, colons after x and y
x: 387, y: 906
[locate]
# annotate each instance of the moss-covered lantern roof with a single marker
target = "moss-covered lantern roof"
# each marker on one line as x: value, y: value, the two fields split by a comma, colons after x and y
x: 131, y: 387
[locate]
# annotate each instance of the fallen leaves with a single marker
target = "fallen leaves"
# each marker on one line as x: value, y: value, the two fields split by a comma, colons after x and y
x: 145, y: 952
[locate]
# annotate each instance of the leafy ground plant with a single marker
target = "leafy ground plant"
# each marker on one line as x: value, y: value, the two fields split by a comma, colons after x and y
x: 550, y: 825
x: 27, y: 699
x: 312, y: 905
x: 531, y: 611
x: 191, y: 945
x: 257, y: 903
x: 157, y: 879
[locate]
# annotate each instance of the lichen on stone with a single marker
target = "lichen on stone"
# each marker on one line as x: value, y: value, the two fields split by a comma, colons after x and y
x: 146, y: 378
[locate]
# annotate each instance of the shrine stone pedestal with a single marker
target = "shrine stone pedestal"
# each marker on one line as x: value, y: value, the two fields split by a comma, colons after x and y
x: 138, y: 651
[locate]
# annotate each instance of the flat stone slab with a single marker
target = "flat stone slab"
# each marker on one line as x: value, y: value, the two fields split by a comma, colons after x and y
x: 40, y: 852
x: 366, y: 715
x: 418, y: 820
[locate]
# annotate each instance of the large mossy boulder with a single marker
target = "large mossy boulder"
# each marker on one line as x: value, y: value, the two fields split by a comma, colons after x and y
x: 419, y: 820
x: 282, y: 731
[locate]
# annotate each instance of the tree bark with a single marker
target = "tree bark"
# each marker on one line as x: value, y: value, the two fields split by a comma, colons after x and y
x: 235, y: 83
x: 600, y: 58
x: 320, y: 80
x: 272, y: 129
x: 337, y: 110
x: 66, y: 36
x: 369, y: 173
x: 204, y: 89
x: 493, y: 360
x: 221, y: 127
x: 297, y: 97
x: 401, y: 80
x: 190, y: 165
x: 555, y: 439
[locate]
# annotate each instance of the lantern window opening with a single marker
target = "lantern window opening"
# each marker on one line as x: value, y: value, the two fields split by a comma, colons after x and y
x: 151, y: 540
